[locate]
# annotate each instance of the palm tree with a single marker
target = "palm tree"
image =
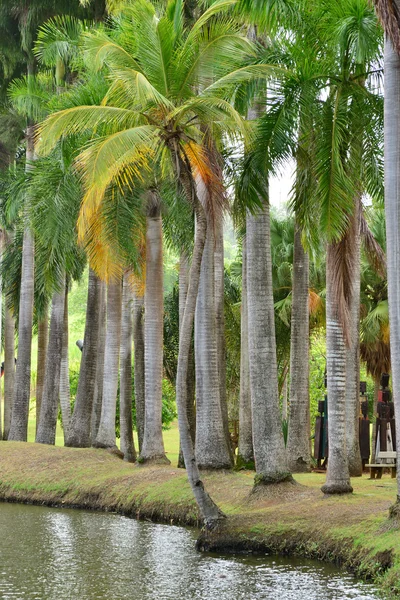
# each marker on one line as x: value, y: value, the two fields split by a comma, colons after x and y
x: 126, y: 427
x: 151, y: 116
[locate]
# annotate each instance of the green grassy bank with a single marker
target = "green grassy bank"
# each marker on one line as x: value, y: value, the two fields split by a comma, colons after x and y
x: 352, y: 531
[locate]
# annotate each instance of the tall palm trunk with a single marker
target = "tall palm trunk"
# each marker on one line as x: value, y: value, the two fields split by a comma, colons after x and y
x: 337, y: 479
x: 42, y: 338
x: 22, y: 388
x: 98, y: 390
x: 9, y: 368
x: 268, y: 442
x: 392, y: 210
x: 190, y: 408
x: 245, y: 449
x: 153, y: 444
x: 352, y: 406
x: 298, y: 443
x: 125, y: 411
x: 211, y: 444
x: 65, y: 401
x: 46, y: 433
x: 79, y: 431
x: 106, y: 434
x: 219, y: 283
x: 138, y: 346
x: 374, y: 411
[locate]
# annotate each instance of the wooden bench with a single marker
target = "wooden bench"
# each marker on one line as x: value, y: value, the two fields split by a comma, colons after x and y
x: 376, y: 470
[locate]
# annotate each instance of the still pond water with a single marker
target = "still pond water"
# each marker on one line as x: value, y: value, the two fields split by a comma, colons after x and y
x: 51, y: 554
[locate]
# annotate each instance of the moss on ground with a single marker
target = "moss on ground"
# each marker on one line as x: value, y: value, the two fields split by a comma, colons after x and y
x: 296, y: 518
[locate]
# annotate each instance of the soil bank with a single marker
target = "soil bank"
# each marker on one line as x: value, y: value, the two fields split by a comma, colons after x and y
x: 353, y: 530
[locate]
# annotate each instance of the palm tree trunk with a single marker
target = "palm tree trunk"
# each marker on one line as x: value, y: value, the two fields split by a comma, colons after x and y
x: 269, y: 447
x: 138, y: 346
x: 375, y: 410
x: 43, y: 338
x: 352, y: 406
x: 22, y: 388
x: 46, y: 433
x: 338, y: 478
x: 211, y: 444
x: 153, y: 444
x: 79, y: 431
x: 245, y: 449
x: 9, y: 368
x: 65, y: 401
x: 106, y: 434
x: 191, y: 385
x: 392, y: 210
x: 125, y: 411
x: 98, y: 390
x: 298, y: 443
x: 219, y: 283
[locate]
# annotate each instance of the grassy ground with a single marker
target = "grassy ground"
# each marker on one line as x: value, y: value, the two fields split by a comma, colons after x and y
x: 353, y: 530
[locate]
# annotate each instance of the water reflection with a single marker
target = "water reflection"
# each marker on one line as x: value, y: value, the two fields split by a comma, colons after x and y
x: 50, y: 554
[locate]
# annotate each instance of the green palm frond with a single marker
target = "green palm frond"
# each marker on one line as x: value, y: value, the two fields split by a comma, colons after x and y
x: 58, y: 38
x: 30, y: 95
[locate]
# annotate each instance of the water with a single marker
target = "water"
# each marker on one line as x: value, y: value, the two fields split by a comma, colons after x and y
x: 51, y: 554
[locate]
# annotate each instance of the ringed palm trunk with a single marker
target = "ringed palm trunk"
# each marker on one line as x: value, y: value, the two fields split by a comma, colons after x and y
x: 138, y: 346
x: 106, y: 434
x: 65, y: 394
x: 79, y: 431
x: 43, y: 338
x: 337, y: 478
x: 153, y: 444
x: 126, y: 426
x: 353, y: 354
x: 392, y: 210
x: 245, y: 449
x: 298, y: 443
x: 9, y: 368
x: 268, y: 443
x: 211, y: 443
x: 98, y: 390
x: 190, y: 409
x: 1, y: 322
x: 22, y: 387
x: 46, y: 433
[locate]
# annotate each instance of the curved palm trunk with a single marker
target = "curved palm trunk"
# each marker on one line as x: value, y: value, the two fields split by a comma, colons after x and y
x: 43, y: 338
x: 245, y: 449
x: 338, y: 478
x: 65, y: 394
x: 352, y: 406
x: 126, y: 426
x: 298, y: 443
x: 268, y: 442
x: 153, y: 444
x: 392, y: 210
x: 211, y: 444
x: 22, y: 387
x: 46, y: 433
x: 79, y: 431
x: 9, y: 368
x: 138, y: 346
x: 106, y: 434
x: 98, y: 390
x: 190, y: 409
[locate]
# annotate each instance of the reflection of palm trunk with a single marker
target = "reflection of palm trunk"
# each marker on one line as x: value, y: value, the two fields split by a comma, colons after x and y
x: 153, y: 445
x: 9, y: 368
x: 64, y: 375
x: 245, y: 449
x: 298, y: 443
x: 337, y: 478
x: 79, y: 431
x: 46, y: 433
x: 106, y: 434
x: 127, y: 445
x: 98, y: 390
x: 138, y: 345
x: 43, y: 338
